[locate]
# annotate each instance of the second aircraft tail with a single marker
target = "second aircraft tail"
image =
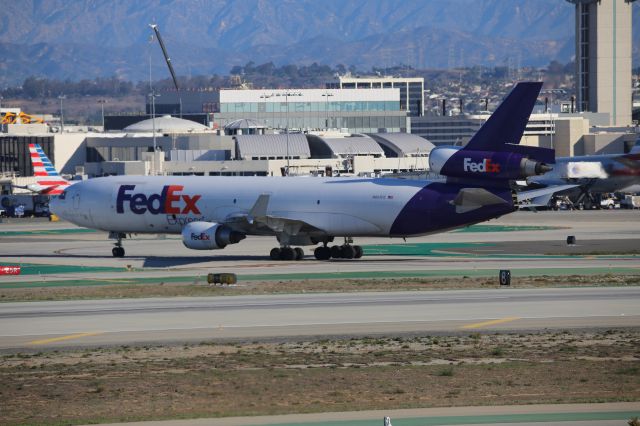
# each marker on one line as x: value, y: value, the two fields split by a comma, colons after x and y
x: 48, y: 180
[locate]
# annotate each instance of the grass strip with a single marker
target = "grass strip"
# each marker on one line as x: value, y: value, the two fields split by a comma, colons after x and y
x: 372, y: 275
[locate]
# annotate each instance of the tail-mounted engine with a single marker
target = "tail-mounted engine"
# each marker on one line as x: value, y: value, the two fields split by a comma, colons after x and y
x: 209, y: 236
x: 505, y: 165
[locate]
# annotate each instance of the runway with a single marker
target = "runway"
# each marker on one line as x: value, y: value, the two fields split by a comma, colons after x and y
x: 135, y: 321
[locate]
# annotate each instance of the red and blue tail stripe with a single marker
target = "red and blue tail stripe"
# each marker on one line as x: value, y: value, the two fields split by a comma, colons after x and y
x: 48, y: 178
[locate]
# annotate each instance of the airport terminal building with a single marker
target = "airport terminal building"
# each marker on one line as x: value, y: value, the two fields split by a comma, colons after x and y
x: 348, y: 110
x: 411, y: 89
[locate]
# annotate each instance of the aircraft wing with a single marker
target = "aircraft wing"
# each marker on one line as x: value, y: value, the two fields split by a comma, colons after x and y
x: 632, y: 161
x: 541, y: 197
x: 258, y: 217
x: 265, y: 215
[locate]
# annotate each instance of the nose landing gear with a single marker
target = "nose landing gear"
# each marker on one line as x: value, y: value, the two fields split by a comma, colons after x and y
x: 118, y: 250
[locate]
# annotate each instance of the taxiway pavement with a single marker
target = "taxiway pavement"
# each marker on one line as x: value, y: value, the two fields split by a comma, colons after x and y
x: 604, y: 414
x: 603, y: 238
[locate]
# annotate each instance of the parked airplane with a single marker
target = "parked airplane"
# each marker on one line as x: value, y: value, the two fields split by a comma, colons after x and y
x: 213, y: 212
x: 581, y: 177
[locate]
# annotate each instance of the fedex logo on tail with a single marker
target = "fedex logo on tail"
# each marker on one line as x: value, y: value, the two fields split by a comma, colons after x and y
x: 169, y: 201
x: 485, y: 166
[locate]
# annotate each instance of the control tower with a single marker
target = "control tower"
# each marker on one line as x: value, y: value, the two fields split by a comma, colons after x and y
x: 603, y: 58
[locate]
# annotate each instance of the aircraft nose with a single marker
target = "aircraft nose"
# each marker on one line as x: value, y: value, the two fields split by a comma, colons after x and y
x: 54, y: 205
x: 57, y: 206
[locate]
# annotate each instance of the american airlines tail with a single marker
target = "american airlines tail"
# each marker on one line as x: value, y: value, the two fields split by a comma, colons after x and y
x: 48, y: 181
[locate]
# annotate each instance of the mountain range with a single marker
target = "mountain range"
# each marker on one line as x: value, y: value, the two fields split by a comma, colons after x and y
x: 83, y: 39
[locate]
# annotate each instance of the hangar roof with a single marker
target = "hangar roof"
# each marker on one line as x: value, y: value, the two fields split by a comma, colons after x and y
x: 248, y: 146
x: 166, y: 124
x: 245, y: 123
x: 353, y: 146
x: 403, y: 144
x: 324, y: 147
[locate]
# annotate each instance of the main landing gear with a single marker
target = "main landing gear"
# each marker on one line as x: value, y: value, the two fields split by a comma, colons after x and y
x: 286, y: 253
x: 345, y: 251
x: 118, y: 250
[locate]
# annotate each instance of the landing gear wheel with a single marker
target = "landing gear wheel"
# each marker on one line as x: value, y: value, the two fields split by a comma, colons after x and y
x: 299, y: 253
x: 359, y: 252
x: 336, y: 252
x: 275, y: 253
x: 287, y: 253
x: 118, y: 250
x: 347, y: 252
x: 322, y: 253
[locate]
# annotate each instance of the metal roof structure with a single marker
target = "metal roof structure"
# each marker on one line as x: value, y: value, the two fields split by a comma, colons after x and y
x: 272, y: 146
x: 245, y: 123
x: 323, y: 147
x: 402, y: 144
x: 166, y: 124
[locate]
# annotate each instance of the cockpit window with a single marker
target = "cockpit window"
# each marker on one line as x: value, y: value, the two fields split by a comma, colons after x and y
x: 63, y: 195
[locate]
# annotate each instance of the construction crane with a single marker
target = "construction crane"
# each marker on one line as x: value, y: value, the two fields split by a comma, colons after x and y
x: 21, y: 118
x: 168, y: 60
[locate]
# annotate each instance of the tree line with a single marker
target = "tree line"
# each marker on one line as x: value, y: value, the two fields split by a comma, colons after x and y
x: 266, y: 75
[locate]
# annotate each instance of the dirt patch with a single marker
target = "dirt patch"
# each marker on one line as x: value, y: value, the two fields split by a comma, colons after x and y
x: 201, y: 288
x: 208, y: 379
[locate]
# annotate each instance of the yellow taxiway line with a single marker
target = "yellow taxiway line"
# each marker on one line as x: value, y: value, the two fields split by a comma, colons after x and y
x: 62, y: 338
x: 492, y: 322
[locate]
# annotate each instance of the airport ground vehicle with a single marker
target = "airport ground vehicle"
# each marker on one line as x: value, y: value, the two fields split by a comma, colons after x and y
x: 213, y: 212
x: 630, y: 202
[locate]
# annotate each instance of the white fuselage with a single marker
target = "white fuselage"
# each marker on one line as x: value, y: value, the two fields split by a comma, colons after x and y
x: 145, y: 204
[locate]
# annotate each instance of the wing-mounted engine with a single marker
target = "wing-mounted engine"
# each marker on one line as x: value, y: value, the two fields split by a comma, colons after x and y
x: 209, y: 236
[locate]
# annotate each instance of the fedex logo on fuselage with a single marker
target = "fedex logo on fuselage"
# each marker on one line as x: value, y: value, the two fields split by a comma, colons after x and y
x: 485, y: 166
x: 169, y: 201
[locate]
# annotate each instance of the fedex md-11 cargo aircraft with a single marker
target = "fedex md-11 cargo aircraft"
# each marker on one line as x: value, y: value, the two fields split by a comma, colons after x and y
x: 213, y: 212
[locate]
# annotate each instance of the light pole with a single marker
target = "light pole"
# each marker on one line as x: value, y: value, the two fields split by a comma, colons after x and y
x: 1, y: 116
x: 326, y: 107
x: 286, y: 95
x: 152, y: 97
x: 102, y: 102
x: 61, y: 97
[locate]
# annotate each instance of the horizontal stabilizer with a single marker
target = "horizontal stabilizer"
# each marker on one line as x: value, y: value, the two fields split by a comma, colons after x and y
x: 469, y: 199
x: 545, y: 155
